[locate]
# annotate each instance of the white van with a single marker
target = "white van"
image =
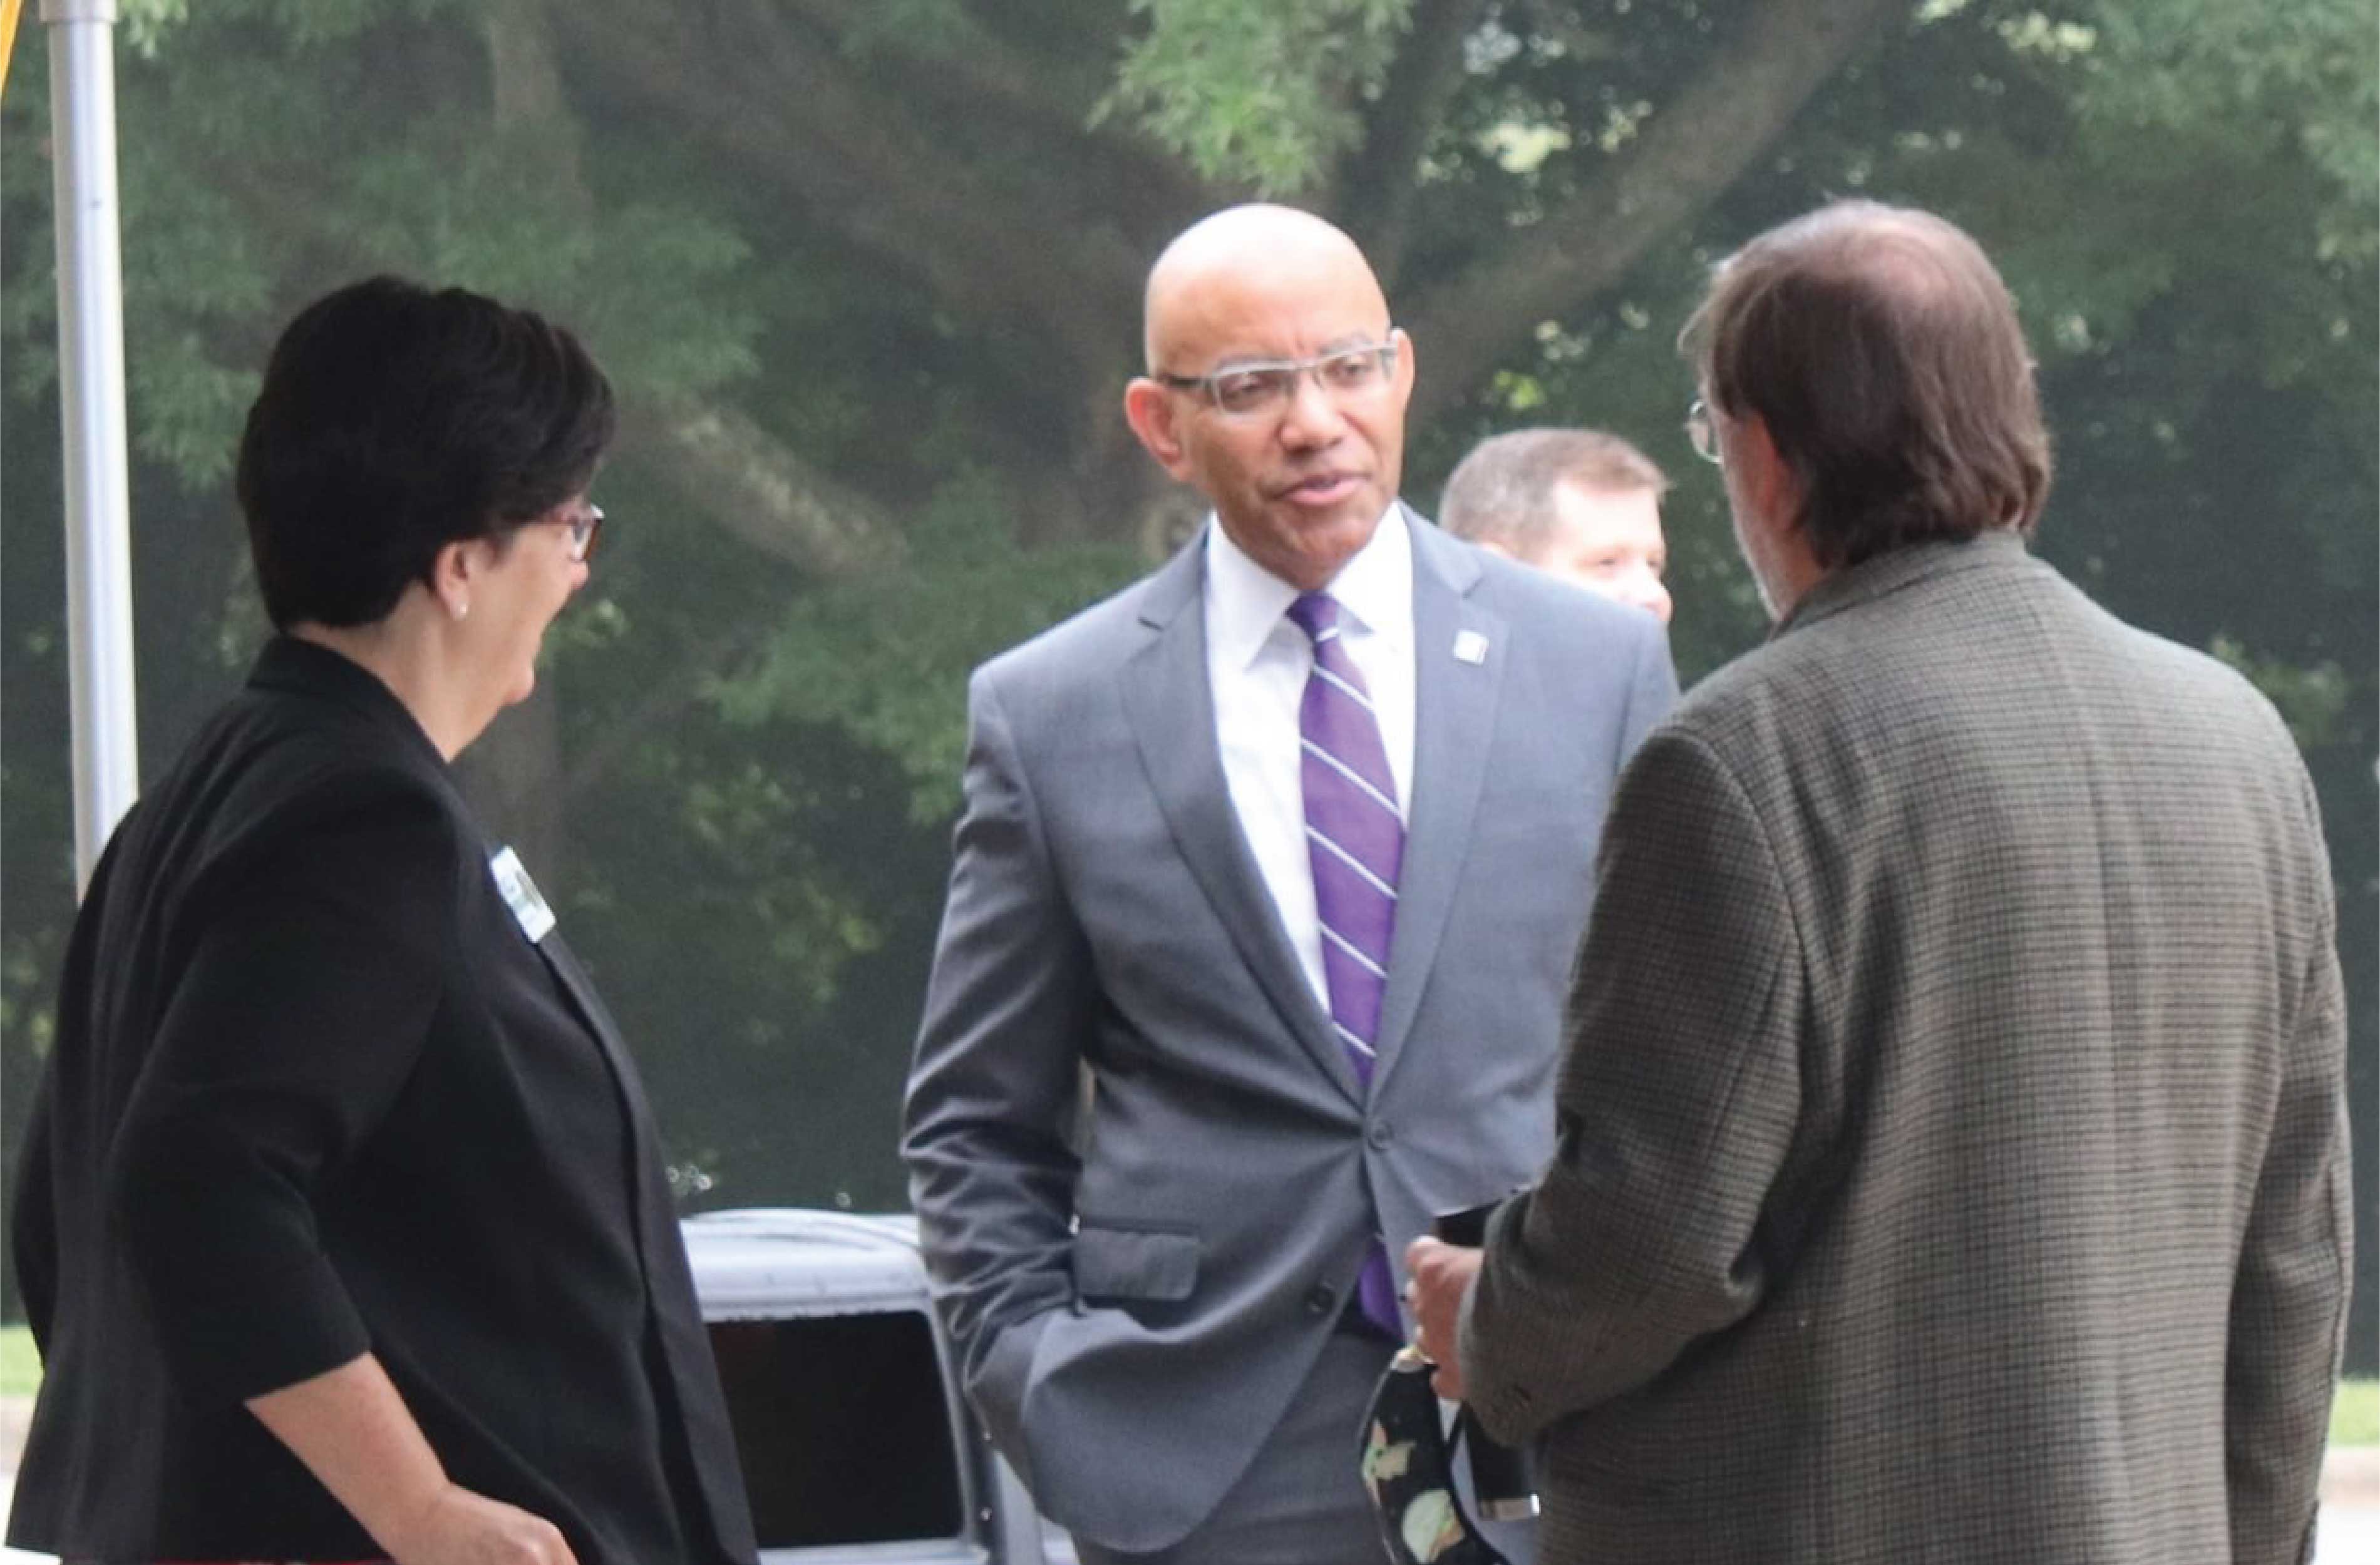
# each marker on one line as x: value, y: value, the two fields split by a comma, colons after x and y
x: 855, y: 1443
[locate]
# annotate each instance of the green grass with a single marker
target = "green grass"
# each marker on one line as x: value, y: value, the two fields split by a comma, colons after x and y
x: 2355, y: 1414
x: 21, y: 1369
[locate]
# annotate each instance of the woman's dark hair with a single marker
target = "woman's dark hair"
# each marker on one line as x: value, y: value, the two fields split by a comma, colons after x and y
x: 394, y: 421
x: 1883, y: 353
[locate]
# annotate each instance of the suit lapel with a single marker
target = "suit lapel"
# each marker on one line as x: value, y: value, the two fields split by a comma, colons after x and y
x: 1172, y: 709
x: 578, y: 988
x: 578, y: 991
x: 1454, y: 718
x: 679, y: 1332
x: 564, y: 965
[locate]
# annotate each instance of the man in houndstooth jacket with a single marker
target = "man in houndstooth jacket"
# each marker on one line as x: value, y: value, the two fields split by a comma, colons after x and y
x: 1952, y: 1157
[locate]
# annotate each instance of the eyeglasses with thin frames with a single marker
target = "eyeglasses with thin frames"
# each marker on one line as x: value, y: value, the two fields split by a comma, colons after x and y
x: 1702, y: 433
x: 1255, y: 390
x: 584, y: 528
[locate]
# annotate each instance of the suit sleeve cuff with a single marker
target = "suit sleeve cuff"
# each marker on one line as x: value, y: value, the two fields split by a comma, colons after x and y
x: 1496, y: 1396
x: 1000, y: 1384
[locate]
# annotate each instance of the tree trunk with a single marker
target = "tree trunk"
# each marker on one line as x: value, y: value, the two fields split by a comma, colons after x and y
x: 513, y: 774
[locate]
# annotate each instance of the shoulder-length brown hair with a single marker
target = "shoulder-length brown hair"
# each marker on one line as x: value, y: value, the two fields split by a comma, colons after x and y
x: 1882, y: 351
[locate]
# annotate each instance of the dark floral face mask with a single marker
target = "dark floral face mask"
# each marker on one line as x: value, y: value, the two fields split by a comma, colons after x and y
x: 1408, y: 1469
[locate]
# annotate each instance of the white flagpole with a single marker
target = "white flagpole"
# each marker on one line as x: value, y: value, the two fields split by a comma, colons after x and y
x: 90, y: 395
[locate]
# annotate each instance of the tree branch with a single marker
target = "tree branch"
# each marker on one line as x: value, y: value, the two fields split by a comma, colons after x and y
x: 1692, y: 150
x: 984, y: 69
x: 1563, y: 24
x: 510, y: 773
x: 1381, y: 181
x: 761, y: 89
x: 1132, y: 182
x: 751, y: 484
x: 525, y: 96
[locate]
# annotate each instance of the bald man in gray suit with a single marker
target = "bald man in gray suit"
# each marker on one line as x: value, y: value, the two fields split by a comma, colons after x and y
x: 1288, y: 845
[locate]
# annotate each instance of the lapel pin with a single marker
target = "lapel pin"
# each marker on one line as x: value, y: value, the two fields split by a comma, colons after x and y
x: 1470, y: 647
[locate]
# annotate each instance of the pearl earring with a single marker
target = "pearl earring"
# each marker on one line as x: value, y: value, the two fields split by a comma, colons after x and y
x: 463, y: 609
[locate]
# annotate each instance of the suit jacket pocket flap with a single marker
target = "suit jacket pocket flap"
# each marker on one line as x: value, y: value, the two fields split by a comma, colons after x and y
x: 1131, y: 1263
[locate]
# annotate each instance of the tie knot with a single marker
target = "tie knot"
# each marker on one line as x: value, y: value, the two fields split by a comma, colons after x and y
x: 1317, y: 614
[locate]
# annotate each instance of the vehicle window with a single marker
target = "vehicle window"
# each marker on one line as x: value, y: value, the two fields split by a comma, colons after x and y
x: 843, y: 1429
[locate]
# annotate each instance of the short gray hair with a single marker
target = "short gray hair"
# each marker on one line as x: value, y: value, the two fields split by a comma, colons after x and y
x: 1503, y: 492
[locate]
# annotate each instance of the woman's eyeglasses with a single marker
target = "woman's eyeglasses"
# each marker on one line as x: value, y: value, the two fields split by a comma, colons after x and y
x: 584, y: 528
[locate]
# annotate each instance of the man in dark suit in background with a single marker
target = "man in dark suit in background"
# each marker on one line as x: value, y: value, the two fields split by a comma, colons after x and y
x: 1288, y: 845
x: 1953, y: 1159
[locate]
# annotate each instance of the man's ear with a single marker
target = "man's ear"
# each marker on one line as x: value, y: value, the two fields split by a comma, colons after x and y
x: 1768, y: 477
x: 1770, y: 486
x: 1150, y: 409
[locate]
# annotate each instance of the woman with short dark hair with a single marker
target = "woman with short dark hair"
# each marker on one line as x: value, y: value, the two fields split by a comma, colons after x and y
x: 341, y: 1221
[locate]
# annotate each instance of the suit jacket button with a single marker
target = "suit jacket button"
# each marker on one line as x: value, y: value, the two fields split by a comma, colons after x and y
x: 1378, y: 1134
x: 1320, y: 1299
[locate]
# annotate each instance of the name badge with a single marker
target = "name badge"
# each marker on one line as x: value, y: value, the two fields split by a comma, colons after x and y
x: 520, y: 894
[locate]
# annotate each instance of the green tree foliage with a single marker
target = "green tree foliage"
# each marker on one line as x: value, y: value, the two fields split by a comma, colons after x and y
x: 868, y: 273
x: 1245, y: 90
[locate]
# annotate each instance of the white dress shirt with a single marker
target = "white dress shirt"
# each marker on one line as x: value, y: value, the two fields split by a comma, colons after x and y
x: 1258, y: 662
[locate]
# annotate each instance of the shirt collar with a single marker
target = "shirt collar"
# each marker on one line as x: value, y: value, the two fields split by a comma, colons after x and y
x: 1249, y: 603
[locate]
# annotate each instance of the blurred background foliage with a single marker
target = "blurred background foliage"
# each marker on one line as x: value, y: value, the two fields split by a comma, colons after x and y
x: 867, y: 275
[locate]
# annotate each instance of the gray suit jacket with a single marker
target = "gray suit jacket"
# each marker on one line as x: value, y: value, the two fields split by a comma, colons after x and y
x: 1133, y: 1315
x: 1954, y: 1151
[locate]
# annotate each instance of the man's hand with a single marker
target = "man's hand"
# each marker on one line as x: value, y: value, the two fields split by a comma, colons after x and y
x: 1441, y: 1274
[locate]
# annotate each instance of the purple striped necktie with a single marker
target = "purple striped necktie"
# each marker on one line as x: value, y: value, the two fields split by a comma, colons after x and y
x: 1355, y: 837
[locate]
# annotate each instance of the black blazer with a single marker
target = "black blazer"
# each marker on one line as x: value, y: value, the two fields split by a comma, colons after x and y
x: 314, y: 1091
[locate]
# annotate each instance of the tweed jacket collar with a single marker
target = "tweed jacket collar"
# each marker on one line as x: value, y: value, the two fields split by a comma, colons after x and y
x: 1897, y: 568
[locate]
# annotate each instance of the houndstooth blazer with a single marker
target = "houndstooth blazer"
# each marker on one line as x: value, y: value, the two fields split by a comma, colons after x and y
x: 1952, y: 1157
